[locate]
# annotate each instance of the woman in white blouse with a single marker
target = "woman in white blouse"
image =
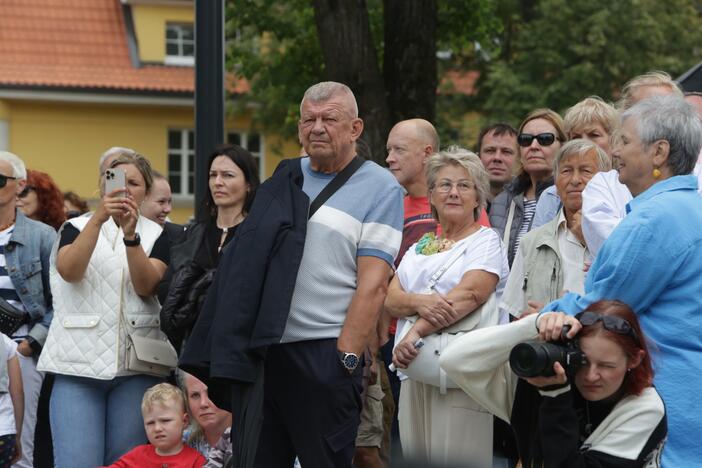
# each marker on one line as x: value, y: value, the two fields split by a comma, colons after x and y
x: 445, y: 425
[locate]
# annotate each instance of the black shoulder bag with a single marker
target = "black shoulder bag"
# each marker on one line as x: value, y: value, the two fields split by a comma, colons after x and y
x: 11, y: 318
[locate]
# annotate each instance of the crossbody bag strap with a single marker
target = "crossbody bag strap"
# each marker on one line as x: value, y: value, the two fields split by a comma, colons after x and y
x: 335, y: 184
x: 508, y: 226
x: 451, y: 260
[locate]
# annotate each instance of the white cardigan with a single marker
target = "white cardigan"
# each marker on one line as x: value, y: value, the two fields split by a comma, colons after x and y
x: 87, y: 338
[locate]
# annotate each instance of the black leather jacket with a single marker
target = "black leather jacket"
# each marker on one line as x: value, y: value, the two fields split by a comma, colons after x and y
x: 185, y: 285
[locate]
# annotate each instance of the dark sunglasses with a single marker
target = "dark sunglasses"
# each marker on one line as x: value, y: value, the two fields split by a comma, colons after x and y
x: 544, y: 139
x: 609, y: 322
x: 4, y: 179
x: 25, y: 191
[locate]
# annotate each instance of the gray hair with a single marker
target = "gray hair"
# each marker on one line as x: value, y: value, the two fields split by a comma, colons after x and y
x: 115, y: 151
x: 325, y: 90
x: 653, y: 79
x: 672, y: 119
x: 19, y: 170
x: 582, y: 147
x: 468, y: 160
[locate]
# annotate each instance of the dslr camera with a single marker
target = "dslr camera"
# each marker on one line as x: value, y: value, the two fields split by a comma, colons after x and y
x: 536, y: 358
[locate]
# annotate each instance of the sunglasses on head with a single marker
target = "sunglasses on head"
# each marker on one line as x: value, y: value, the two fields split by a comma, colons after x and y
x: 609, y: 322
x: 544, y: 139
x: 4, y: 179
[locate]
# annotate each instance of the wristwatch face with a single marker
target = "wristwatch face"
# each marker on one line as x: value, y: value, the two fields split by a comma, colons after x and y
x: 350, y: 361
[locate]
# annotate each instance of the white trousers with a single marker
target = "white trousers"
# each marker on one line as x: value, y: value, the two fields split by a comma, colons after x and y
x: 32, y: 380
x: 443, y: 429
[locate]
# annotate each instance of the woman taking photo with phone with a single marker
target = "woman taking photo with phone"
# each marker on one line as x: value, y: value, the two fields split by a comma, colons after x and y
x: 511, y: 213
x: 604, y: 414
x: 231, y: 187
x: 104, y: 272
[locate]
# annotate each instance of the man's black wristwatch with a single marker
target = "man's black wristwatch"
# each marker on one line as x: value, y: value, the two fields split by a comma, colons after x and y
x: 134, y: 242
x: 349, y: 360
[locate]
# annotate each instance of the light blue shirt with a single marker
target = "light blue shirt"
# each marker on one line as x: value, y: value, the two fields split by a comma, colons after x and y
x: 546, y: 208
x: 652, y: 261
x: 362, y: 219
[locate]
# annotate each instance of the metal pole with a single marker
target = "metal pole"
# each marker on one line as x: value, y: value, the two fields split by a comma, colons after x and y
x: 209, y: 87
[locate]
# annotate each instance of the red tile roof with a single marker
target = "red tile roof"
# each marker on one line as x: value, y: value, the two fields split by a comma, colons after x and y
x: 79, y: 44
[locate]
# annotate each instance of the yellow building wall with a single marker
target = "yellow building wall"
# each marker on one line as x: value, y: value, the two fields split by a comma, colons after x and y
x: 66, y: 140
x: 150, y: 28
x: 4, y: 109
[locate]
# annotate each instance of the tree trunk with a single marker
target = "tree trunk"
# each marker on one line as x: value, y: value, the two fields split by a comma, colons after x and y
x: 350, y: 58
x: 410, y: 58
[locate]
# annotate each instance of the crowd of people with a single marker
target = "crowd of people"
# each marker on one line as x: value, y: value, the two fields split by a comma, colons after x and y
x: 340, y: 314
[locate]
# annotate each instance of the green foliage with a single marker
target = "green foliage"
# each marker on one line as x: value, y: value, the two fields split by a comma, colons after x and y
x: 571, y: 49
x: 533, y: 53
x: 274, y: 45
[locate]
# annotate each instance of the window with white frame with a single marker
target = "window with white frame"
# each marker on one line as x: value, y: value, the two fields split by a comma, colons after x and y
x: 181, y: 156
x: 180, y: 44
x: 181, y: 161
x: 252, y: 142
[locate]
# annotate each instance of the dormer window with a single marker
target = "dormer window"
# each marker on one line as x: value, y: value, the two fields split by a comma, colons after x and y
x: 180, y: 44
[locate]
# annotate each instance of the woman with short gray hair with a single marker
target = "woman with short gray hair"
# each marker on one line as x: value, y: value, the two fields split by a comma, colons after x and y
x: 652, y: 261
x: 439, y: 423
x: 553, y: 257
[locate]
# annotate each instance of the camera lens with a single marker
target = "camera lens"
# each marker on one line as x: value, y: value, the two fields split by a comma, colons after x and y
x: 535, y: 358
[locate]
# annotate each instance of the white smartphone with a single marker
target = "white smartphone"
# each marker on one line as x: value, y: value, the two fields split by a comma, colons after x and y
x: 115, y: 179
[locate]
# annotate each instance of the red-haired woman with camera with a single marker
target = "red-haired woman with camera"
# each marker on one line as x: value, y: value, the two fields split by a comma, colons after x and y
x: 604, y: 413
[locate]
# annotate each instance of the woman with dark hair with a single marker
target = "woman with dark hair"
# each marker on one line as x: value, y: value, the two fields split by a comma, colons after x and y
x: 232, y: 183
x: 605, y: 413
x: 511, y: 213
x: 42, y: 200
x: 74, y: 205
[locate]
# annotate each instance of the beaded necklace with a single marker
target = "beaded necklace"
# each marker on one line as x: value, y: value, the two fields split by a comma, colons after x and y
x: 429, y: 244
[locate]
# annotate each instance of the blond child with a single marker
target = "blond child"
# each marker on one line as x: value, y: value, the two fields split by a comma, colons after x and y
x: 165, y: 418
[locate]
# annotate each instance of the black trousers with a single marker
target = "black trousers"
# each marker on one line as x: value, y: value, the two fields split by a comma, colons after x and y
x: 311, y: 407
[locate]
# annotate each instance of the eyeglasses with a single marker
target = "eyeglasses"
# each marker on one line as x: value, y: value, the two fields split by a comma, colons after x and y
x: 609, y: 322
x: 4, y: 179
x: 445, y: 186
x: 544, y: 139
x: 25, y: 191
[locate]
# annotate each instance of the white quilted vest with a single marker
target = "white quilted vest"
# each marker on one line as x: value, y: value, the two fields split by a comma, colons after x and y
x: 87, y: 337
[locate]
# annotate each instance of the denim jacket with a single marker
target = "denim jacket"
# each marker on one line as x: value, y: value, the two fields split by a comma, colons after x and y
x: 27, y: 262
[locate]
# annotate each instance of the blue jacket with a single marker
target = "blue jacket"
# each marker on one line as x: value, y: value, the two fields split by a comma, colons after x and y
x: 27, y: 262
x: 652, y: 261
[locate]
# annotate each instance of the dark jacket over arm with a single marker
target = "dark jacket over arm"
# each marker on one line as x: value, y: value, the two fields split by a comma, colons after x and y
x: 248, y: 303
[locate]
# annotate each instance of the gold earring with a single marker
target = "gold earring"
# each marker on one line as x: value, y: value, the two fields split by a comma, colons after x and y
x: 656, y: 173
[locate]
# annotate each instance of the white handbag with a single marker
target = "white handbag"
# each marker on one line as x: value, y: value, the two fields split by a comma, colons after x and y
x: 151, y: 356
x: 425, y: 366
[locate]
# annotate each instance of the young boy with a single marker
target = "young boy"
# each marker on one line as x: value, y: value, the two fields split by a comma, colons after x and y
x: 163, y: 408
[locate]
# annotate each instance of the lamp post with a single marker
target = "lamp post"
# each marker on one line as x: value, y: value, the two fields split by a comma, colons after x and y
x: 209, y: 87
